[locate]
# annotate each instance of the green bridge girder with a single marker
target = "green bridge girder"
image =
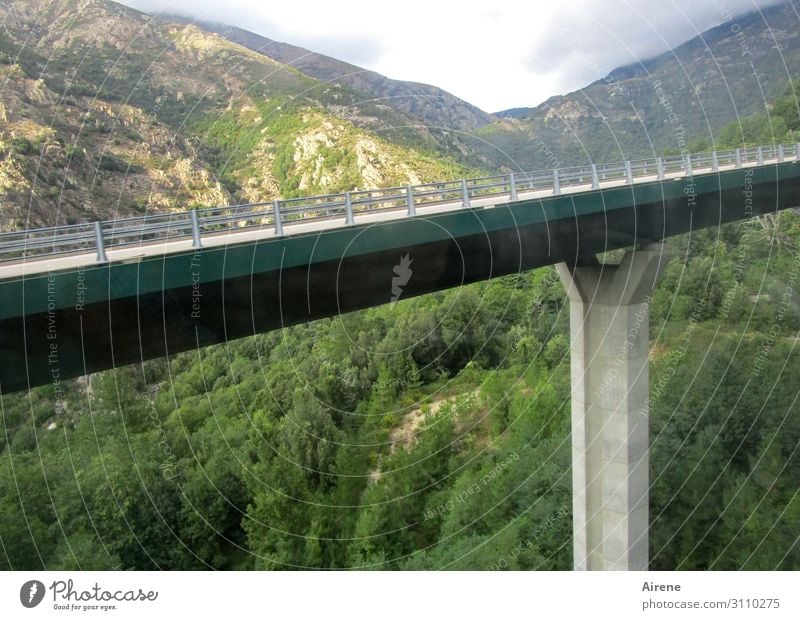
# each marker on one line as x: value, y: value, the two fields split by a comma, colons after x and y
x: 70, y: 322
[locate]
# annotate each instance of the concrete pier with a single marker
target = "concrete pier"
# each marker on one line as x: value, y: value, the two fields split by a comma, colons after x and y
x: 609, y: 324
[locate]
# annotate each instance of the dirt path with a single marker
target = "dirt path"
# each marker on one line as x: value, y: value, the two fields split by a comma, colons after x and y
x: 405, y: 433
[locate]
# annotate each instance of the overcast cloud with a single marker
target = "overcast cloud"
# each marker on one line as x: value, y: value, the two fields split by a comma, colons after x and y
x: 508, y: 53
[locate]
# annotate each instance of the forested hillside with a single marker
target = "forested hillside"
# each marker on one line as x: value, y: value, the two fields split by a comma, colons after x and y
x: 429, y: 434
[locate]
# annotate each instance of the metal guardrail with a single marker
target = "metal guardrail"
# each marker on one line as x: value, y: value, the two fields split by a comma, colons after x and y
x: 196, y: 224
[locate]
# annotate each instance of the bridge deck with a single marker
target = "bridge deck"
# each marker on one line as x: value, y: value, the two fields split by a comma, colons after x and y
x: 41, y: 265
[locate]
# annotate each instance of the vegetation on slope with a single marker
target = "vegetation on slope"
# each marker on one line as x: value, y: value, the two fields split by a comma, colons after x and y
x: 282, y: 450
x: 276, y: 148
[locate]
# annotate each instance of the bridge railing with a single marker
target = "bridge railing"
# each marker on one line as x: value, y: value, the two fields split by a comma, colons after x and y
x: 52, y: 241
x: 401, y: 201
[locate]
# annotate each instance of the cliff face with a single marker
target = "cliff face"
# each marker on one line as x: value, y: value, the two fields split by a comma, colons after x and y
x: 70, y: 159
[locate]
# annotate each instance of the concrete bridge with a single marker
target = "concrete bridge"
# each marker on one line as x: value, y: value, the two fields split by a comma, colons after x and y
x: 87, y: 297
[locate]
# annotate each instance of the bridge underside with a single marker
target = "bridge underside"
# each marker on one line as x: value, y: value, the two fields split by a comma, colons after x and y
x: 67, y: 335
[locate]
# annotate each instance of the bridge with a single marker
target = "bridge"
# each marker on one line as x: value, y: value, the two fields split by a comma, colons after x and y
x: 82, y: 298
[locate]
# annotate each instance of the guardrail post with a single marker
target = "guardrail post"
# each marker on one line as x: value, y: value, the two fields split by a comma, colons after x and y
x: 688, y: 164
x: 738, y: 158
x: 797, y: 151
x: 512, y: 182
x: 196, y: 243
x: 276, y: 214
x: 660, y: 167
x: 412, y: 211
x: 556, y: 182
x: 780, y: 152
x: 760, y: 156
x: 595, y: 180
x: 99, y: 243
x: 348, y: 209
x: 714, y: 162
x: 628, y: 173
x: 465, y: 193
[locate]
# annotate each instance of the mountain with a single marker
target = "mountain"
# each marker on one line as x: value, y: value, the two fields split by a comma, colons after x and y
x: 728, y: 72
x: 686, y: 94
x: 422, y: 103
x: 107, y: 111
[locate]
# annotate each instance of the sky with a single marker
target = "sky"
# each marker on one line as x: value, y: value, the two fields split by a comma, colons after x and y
x: 496, y: 55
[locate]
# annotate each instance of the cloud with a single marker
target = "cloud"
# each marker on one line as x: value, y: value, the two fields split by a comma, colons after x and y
x: 481, y: 53
x: 357, y: 48
x: 361, y: 52
x: 587, y: 40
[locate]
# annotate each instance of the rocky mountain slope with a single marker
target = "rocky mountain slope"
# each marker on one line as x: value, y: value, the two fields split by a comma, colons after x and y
x: 69, y: 159
x: 688, y: 93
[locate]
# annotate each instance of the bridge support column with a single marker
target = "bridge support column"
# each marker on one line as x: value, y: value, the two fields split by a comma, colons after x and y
x: 609, y: 323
